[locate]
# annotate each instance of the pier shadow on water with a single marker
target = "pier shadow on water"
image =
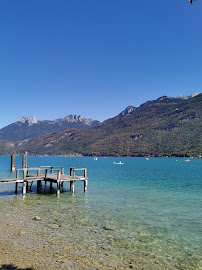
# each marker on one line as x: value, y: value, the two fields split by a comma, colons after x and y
x: 12, y: 267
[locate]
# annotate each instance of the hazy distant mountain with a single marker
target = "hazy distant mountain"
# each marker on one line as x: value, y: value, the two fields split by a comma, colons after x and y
x: 163, y: 127
x: 29, y: 127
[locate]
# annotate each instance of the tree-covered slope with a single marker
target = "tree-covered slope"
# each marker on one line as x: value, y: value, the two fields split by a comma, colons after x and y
x: 164, y: 127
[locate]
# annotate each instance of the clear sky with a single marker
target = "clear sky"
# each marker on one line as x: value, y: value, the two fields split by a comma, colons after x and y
x: 95, y: 57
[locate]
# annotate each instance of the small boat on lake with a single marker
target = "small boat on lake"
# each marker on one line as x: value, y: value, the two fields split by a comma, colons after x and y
x: 95, y: 158
x: 118, y: 163
x: 187, y: 160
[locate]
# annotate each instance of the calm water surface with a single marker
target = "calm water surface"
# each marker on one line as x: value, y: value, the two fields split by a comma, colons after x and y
x: 144, y: 214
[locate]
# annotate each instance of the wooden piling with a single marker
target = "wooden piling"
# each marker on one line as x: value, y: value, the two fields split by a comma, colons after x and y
x: 58, y: 188
x: 16, y: 187
x: 24, y: 173
x: 59, y: 175
x: 58, y: 183
x: 39, y: 172
x: 85, y: 185
x: 85, y: 173
x: 24, y: 160
x: 17, y: 173
x: 13, y: 162
x: 24, y: 189
x: 38, y: 185
x: 31, y: 186
x: 72, y: 187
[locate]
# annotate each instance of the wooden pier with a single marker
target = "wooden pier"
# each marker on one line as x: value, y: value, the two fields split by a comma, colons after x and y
x: 51, y: 174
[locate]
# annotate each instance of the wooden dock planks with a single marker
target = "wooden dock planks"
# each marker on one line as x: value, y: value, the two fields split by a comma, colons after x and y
x: 47, y: 174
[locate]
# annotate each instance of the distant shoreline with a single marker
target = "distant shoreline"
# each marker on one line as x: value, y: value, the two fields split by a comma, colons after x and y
x: 32, y: 155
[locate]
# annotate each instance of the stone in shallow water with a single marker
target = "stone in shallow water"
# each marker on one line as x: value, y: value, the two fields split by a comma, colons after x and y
x: 53, y: 226
x: 22, y: 233
x: 107, y: 228
x: 37, y: 218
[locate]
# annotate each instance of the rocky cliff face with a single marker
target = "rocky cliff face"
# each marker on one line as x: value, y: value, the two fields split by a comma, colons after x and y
x: 31, y: 120
x: 128, y: 110
x: 79, y: 118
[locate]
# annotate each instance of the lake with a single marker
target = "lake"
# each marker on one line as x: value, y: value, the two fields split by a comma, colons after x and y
x: 143, y: 214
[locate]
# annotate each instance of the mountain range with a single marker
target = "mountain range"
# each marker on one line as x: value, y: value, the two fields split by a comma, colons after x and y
x: 162, y: 127
x: 29, y: 127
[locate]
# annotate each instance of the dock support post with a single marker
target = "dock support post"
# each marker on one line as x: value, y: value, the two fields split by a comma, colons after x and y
x: 51, y: 185
x: 85, y: 173
x: 58, y: 183
x: 31, y: 186
x: 17, y: 173
x: 16, y: 187
x: 72, y: 187
x: 24, y: 160
x: 38, y: 181
x: 39, y: 172
x: 58, y: 188
x: 13, y: 162
x: 85, y: 185
x: 59, y: 175
x: 24, y: 189
x: 38, y: 185
x: 24, y: 172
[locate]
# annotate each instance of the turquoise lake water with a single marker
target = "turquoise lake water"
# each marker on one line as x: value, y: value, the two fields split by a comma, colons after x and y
x: 144, y: 214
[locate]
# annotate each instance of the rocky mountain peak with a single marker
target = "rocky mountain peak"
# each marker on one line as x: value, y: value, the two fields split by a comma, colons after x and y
x: 31, y: 120
x: 187, y: 96
x: 78, y: 118
x: 128, y: 110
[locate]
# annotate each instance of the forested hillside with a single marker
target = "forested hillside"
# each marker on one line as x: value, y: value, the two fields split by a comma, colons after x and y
x: 163, y: 127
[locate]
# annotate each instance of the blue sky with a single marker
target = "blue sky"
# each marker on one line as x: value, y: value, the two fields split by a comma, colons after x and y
x: 95, y: 57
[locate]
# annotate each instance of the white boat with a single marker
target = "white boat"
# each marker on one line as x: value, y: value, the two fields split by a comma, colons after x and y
x: 118, y: 163
x: 95, y: 158
x: 147, y: 158
x: 187, y: 160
